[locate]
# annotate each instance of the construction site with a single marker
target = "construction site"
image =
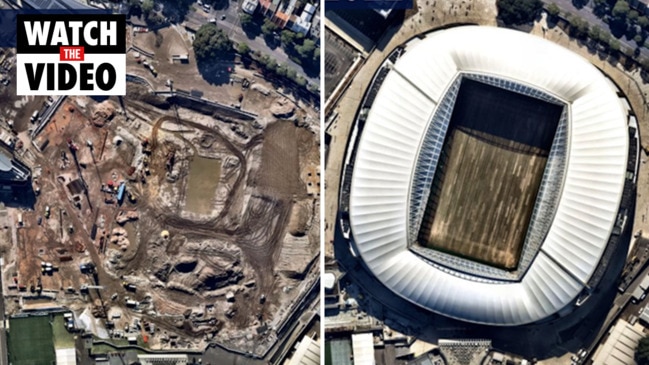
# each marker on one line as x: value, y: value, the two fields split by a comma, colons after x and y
x: 166, y: 217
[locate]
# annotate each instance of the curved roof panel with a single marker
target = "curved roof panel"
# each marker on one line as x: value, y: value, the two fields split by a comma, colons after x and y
x: 590, y: 196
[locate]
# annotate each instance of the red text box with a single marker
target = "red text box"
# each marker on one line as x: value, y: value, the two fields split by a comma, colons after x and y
x: 71, y: 54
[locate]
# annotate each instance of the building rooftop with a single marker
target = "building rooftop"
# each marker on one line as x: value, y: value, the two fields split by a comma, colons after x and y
x: 307, y: 352
x: 363, y: 348
x: 388, y: 151
x: 56, y: 4
x: 619, y: 347
x: 12, y: 171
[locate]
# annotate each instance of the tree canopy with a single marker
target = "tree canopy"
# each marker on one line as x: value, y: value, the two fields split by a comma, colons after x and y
x: 243, y: 49
x: 269, y: 27
x: 306, y: 49
x: 211, y: 42
x: 553, y: 10
x: 642, y: 352
x: 621, y: 9
x: 147, y: 6
x: 518, y: 11
x: 246, y: 20
x: 579, y: 27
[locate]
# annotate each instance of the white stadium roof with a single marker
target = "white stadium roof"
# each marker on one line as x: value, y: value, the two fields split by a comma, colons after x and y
x: 589, y: 198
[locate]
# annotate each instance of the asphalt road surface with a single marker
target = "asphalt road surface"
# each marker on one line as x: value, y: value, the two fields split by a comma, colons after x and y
x: 587, y: 14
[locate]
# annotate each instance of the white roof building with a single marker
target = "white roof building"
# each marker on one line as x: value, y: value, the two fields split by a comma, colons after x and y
x: 587, y: 178
x: 303, y: 23
x: 363, y: 349
x: 249, y: 6
x: 66, y: 356
x: 620, y: 345
x: 154, y: 359
x: 307, y: 352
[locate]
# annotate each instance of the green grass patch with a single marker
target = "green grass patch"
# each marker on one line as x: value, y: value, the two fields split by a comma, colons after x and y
x: 62, y: 338
x: 30, y: 341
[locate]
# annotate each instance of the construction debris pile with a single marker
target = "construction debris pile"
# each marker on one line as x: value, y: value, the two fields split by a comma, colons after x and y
x: 120, y: 238
x: 283, y: 108
x: 126, y: 216
x: 103, y: 112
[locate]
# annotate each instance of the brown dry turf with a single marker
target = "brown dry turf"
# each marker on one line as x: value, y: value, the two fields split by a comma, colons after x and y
x: 486, y: 199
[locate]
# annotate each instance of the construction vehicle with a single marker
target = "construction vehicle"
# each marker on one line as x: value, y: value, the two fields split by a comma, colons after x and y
x: 88, y: 268
x: 129, y: 287
x: 120, y: 192
x: 171, y: 159
x: 131, y: 303
x: 146, y: 146
x: 72, y: 146
x: 85, y: 288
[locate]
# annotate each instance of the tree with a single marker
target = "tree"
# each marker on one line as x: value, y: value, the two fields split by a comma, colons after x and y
x: 643, y: 22
x: 243, y: 49
x: 639, y: 40
x: 147, y: 6
x: 291, y: 73
x: 269, y: 64
x: 614, y: 44
x: 211, y: 42
x: 246, y: 20
x: 269, y: 27
x: 633, y: 16
x: 642, y: 352
x: 300, y: 81
x: 518, y: 11
x: 605, y: 38
x: 579, y: 27
x: 281, y: 70
x: 314, y: 88
x: 595, y: 33
x: 288, y: 37
x: 154, y: 19
x: 305, y: 51
x: 316, y: 56
x: 620, y: 10
x: 600, y: 8
x: 553, y: 10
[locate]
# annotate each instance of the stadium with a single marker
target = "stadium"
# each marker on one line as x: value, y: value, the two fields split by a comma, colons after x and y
x: 489, y: 175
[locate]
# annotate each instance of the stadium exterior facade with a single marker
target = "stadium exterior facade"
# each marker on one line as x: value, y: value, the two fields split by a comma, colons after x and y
x: 581, y: 208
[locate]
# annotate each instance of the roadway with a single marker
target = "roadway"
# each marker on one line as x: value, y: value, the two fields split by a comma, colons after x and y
x: 232, y: 25
x: 587, y: 14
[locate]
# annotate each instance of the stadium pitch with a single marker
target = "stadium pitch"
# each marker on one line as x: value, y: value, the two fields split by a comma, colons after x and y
x: 489, y: 173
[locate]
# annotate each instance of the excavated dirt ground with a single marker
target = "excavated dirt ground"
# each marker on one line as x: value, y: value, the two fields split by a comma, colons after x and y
x: 215, y: 212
